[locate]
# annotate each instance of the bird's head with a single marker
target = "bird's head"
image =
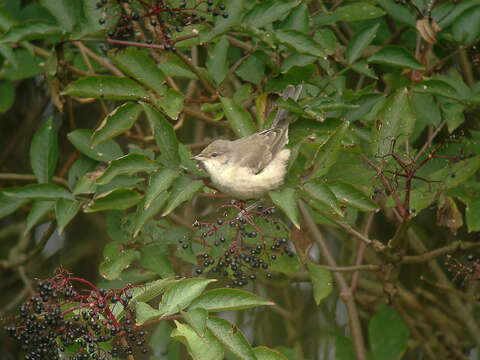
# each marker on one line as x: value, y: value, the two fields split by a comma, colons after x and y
x: 215, y: 155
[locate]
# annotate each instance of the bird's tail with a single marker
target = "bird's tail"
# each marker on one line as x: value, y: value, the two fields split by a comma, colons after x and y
x: 281, y: 119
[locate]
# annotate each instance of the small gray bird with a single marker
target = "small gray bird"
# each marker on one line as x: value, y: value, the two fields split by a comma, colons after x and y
x: 249, y: 167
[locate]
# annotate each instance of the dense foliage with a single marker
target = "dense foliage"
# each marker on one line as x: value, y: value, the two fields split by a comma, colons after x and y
x: 116, y: 245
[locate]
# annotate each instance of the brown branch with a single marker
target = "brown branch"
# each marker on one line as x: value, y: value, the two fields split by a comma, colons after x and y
x: 30, y: 177
x: 345, y: 292
x: 5, y: 264
x: 388, y: 186
x: 197, y: 72
x: 367, y: 267
x: 201, y: 116
x: 98, y: 58
x: 455, y: 246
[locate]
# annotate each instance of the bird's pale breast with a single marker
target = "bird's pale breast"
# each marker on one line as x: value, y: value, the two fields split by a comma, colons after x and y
x: 242, y: 183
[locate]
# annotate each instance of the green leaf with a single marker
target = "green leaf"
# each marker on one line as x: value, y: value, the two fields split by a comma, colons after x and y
x: 129, y: 164
x: 164, y: 135
x: 44, y: 152
x: 327, y: 154
x: 264, y: 353
x: 351, y: 196
x: 358, y: 11
x: 217, y: 61
x: 467, y: 27
x: 120, y: 120
x: 231, y: 337
x: 183, y: 190
x: 394, y: 123
x: 252, y: 70
x: 197, y: 319
x: 300, y: 42
x: 286, y: 199
x: 436, y: 87
x: 236, y: 11
x: 65, y: 211
x: 154, y: 257
x: 145, y: 312
x: 399, y: 12
x: 31, y: 30
x: 38, y: 211
x: 26, y: 65
x: 396, y: 56
x: 160, y: 181
x: 144, y: 214
x: 327, y: 40
x: 7, y: 94
x: 63, y: 10
x: 199, y: 348
x: 171, y: 102
x: 453, y: 114
x: 343, y: 348
x: 137, y: 64
x: 107, y: 151
x: 443, y: 179
x: 106, y: 87
x: 9, y: 205
x: 267, y: 12
x: 472, y: 213
x: 111, y: 268
x: 39, y: 192
x: 180, y: 295
x: 321, y: 281
x: 388, y: 334
x: 426, y: 110
x: 286, y: 264
x: 238, y: 117
x: 117, y: 199
x: 360, y: 42
x: 175, y: 68
x: 146, y: 292
x: 322, y: 193
x: 297, y: 19
x: 227, y: 299
x: 296, y: 59
x: 452, y: 12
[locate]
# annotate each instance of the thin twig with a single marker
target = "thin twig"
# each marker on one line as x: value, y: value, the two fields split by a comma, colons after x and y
x: 5, y: 264
x: 30, y: 177
x: 455, y: 246
x: 345, y: 292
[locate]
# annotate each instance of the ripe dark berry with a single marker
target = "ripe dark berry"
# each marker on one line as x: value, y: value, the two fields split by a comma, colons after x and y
x: 225, y: 15
x: 101, y: 21
x: 185, y: 246
x: 268, y: 275
x: 199, y: 271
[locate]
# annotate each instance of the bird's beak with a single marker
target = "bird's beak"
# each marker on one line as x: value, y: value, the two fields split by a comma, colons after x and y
x: 197, y: 157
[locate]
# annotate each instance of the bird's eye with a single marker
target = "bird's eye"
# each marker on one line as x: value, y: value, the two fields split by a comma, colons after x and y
x: 214, y: 155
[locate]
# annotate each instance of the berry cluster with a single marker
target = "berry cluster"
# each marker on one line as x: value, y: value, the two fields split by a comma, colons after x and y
x: 241, y: 243
x: 61, y: 322
x: 462, y: 272
x: 159, y: 18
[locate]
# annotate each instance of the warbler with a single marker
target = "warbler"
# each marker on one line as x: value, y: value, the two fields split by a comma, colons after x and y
x: 249, y: 167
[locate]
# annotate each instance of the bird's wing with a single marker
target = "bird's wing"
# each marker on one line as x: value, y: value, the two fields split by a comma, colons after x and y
x: 260, y: 149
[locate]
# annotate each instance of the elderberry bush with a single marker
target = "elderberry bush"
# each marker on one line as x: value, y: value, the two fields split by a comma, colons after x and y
x: 62, y: 322
x: 243, y: 243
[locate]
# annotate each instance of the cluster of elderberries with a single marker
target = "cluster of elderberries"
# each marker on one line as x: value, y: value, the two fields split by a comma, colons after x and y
x: 61, y: 322
x: 463, y: 271
x: 239, y: 246
x: 158, y: 17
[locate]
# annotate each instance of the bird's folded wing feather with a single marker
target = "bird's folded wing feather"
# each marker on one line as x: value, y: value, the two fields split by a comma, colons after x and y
x: 262, y: 148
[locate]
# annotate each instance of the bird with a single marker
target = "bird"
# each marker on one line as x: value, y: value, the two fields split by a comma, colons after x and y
x: 249, y: 167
